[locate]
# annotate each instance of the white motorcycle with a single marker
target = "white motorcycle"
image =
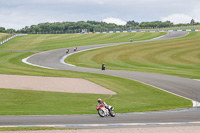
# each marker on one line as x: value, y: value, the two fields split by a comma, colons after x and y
x: 103, y: 111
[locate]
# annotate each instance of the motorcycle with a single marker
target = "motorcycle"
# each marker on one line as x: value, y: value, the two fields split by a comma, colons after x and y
x: 103, y: 111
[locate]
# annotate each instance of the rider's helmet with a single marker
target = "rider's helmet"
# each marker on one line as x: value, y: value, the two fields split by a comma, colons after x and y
x: 99, y: 100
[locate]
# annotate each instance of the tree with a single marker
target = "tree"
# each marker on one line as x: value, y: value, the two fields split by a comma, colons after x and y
x: 10, y: 31
x: 192, y: 21
x: 158, y: 24
x: 132, y: 23
x: 2, y: 29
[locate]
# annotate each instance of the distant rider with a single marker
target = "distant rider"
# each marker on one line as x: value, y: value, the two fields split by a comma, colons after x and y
x: 103, y: 67
x: 67, y: 51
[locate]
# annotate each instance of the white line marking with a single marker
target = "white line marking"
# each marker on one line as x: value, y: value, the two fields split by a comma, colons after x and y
x: 197, y: 79
x: 97, y: 125
x: 195, y: 103
x: 159, y: 36
x: 25, y: 61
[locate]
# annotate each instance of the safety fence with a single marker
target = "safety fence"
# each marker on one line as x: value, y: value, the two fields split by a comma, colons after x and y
x: 140, y: 31
x: 7, y: 39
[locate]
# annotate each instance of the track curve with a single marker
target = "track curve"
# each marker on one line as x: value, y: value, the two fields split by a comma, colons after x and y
x: 184, y: 87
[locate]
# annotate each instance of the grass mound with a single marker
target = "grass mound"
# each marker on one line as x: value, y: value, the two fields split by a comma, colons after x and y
x: 45, y: 42
x: 178, y: 57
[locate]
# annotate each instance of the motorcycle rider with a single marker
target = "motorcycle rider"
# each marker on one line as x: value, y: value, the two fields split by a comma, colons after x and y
x: 110, y: 108
x: 102, y: 103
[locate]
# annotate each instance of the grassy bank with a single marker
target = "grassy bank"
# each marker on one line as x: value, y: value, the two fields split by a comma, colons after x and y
x: 44, y: 42
x: 131, y: 96
x: 178, y: 57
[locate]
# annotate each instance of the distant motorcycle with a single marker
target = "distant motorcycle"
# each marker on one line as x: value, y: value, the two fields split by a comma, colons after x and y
x: 67, y: 51
x: 75, y: 49
x: 103, y: 111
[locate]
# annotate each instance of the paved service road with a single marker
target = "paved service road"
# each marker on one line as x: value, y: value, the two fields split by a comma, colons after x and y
x: 54, y: 59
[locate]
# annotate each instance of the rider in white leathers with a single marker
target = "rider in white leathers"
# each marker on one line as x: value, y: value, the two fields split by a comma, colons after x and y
x: 102, y: 103
x: 110, y: 108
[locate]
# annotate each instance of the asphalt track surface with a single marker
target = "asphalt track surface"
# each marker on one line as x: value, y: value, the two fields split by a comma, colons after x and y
x: 54, y: 59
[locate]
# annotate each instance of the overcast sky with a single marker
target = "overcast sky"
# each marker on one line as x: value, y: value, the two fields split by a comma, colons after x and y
x: 20, y: 13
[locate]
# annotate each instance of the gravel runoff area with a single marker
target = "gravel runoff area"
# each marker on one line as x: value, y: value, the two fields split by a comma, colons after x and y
x: 178, y: 129
x: 57, y: 84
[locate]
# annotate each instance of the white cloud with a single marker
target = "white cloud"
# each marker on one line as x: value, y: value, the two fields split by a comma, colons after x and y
x: 114, y: 20
x: 21, y: 13
x: 100, y: 2
x: 177, y: 18
x: 195, y: 13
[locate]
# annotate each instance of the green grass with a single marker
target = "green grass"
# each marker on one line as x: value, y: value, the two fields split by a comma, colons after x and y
x: 189, y: 27
x: 131, y: 96
x: 3, y: 34
x: 56, y: 41
x: 178, y: 57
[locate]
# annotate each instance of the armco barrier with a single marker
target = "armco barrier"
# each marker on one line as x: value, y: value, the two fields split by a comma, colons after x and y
x: 11, y: 38
x: 142, y: 31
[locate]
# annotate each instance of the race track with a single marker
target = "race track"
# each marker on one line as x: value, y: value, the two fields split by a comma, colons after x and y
x: 184, y: 87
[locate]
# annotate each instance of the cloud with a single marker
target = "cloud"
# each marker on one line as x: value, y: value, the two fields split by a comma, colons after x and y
x: 177, y: 18
x: 49, y: 2
x: 99, y: 2
x: 114, y: 20
x: 181, y: 18
x: 17, y: 18
x: 184, y: 17
x: 20, y: 13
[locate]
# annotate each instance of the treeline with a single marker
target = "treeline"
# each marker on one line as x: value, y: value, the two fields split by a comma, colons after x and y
x: 4, y: 30
x: 69, y: 27
x: 90, y: 26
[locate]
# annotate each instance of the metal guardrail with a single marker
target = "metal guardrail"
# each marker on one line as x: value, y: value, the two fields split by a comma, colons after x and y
x: 139, y: 31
